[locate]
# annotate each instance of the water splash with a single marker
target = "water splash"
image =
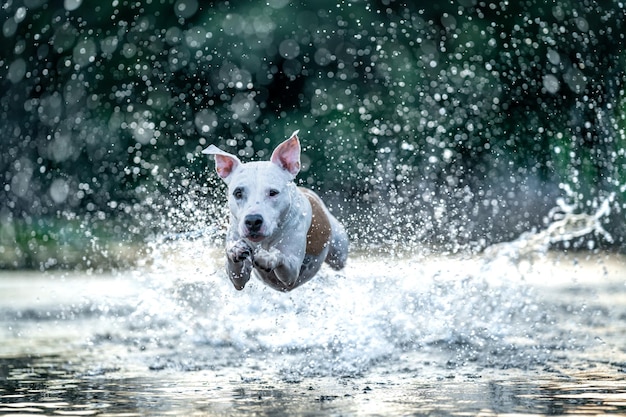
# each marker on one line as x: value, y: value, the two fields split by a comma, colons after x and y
x: 478, y: 308
x: 565, y: 225
x: 339, y: 323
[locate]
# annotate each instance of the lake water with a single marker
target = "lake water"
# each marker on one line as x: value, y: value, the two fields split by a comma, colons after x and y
x: 484, y: 335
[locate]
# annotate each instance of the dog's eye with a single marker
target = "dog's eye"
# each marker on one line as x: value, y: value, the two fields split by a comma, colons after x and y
x: 274, y: 193
x: 238, y: 193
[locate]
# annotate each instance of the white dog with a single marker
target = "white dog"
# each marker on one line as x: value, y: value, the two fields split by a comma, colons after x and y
x: 280, y: 231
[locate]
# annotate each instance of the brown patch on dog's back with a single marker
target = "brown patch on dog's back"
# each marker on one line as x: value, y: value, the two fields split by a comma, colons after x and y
x: 318, y: 236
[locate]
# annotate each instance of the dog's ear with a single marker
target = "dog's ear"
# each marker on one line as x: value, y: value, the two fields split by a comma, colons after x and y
x: 287, y: 155
x: 225, y: 163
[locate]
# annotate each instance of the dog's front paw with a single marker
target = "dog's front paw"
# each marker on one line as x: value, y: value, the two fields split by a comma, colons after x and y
x: 267, y: 260
x: 238, y: 251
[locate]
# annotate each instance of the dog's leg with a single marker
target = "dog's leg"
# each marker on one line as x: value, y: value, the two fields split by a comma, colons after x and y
x: 239, y: 263
x: 339, y: 242
x: 285, y: 268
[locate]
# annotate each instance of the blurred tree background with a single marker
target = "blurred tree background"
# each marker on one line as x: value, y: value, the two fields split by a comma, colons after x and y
x: 444, y: 124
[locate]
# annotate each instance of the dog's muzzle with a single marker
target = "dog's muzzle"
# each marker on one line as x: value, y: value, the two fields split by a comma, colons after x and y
x: 254, y: 223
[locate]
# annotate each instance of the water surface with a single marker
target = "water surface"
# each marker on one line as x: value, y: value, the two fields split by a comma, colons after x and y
x: 544, y: 335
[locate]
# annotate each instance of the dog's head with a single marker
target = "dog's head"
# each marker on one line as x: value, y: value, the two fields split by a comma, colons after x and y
x: 259, y: 193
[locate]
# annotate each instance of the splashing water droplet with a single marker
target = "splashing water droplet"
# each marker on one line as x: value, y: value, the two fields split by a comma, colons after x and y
x: 59, y: 190
x: 71, y: 5
x: 551, y: 83
x: 185, y: 8
x: 17, y: 70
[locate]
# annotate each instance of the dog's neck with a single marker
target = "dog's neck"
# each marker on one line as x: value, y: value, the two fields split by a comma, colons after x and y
x: 291, y: 210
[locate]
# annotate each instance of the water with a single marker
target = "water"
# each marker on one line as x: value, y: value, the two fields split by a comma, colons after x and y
x: 449, y: 125
x: 415, y: 335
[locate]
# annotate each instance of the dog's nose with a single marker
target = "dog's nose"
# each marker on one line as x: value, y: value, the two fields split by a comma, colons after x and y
x: 253, y: 222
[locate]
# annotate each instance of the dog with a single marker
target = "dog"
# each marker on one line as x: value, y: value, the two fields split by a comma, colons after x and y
x: 278, y: 231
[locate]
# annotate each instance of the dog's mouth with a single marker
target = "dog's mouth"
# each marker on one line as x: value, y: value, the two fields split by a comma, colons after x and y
x: 255, y: 237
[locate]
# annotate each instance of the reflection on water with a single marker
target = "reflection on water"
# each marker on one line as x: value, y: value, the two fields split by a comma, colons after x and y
x: 54, y: 386
x: 441, y: 336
